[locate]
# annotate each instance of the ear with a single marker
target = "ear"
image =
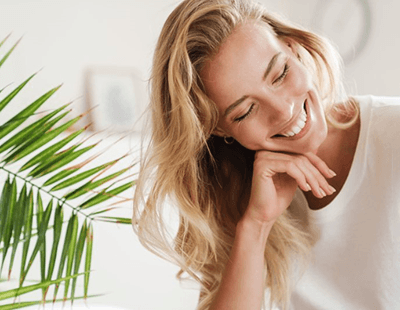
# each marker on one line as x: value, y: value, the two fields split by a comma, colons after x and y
x: 219, y: 132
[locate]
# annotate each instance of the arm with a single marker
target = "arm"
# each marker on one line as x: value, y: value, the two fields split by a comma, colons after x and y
x: 242, y: 286
x: 275, y: 179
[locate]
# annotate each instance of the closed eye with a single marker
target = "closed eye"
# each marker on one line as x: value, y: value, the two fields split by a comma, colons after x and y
x: 241, y: 118
x: 283, y: 75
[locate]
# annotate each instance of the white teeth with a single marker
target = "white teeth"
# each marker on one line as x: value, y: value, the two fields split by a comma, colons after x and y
x: 303, y: 116
x: 297, y: 129
x: 301, y: 122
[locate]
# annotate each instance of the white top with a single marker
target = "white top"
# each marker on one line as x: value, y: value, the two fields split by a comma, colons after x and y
x: 356, y: 263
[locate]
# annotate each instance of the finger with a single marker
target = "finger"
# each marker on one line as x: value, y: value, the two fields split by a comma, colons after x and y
x: 320, y: 186
x: 315, y: 179
x: 320, y: 164
x: 289, y: 167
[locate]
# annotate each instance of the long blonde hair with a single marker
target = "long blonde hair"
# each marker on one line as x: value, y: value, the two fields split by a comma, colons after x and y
x: 207, y: 180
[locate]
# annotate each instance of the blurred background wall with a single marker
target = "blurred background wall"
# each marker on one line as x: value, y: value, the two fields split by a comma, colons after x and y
x: 69, y: 40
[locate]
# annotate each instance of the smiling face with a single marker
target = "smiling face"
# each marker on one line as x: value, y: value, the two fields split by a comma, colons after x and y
x: 265, y: 96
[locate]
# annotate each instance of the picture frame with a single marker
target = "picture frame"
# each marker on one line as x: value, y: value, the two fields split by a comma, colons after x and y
x: 114, y: 97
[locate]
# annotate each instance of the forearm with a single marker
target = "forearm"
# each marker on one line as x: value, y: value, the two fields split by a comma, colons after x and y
x: 242, y: 286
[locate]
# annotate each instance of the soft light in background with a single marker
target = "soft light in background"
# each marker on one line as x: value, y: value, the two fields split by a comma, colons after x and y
x: 68, y: 39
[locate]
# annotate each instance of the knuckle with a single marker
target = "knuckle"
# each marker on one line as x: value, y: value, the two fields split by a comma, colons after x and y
x: 299, y: 160
x: 291, y: 165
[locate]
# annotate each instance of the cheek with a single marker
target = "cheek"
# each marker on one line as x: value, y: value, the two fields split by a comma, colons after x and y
x: 251, y: 137
x: 300, y: 79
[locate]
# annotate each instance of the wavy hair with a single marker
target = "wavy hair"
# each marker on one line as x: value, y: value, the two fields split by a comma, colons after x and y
x: 205, y: 179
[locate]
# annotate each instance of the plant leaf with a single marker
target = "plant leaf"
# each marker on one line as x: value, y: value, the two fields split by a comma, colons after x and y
x: 117, y: 220
x: 60, y: 176
x: 82, y: 176
x: 88, y: 260
x: 18, y: 220
x: 27, y: 289
x: 9, y: 52
x: 45, y: 154
x: 24, y: 114
x: 59, y: 160
x: 78, y: 256
x: 27, y: 237
x: 67, y: 241
x: 35, y: 142
x: 108, y: 209
x: 28, y: 131
x: 104, y: 195
x: 42, y: 249
x: 57, y: 228
x: 8, y: 225
x: 91, y: 185
x: 41, y: 239
x: 5, y: 39
x: 70, y: 256
x: 4, y: 206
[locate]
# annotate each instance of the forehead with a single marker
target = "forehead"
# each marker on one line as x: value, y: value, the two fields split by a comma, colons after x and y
x: 247, y: 39
x: 242, y: 58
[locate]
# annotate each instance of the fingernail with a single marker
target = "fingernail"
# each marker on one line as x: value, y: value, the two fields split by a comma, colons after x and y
x: 332, y: 189
x: 308, y: 186
x: 333, y: 174
x: 321, y: 191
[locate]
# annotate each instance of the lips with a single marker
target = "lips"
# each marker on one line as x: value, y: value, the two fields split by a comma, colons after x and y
x: 296, y: 126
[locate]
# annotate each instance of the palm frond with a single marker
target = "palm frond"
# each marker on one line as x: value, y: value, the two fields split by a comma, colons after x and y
x: 52, y: 231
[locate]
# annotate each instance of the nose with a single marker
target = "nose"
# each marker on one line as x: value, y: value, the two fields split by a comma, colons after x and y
x: 279, y: 109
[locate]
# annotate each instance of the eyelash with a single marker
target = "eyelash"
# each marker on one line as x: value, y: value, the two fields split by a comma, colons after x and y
x: 241, y: 118
x: 279, y: 79
x: 283, y: 75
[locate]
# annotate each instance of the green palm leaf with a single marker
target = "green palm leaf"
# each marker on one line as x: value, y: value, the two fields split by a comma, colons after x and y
x: 113, y: 219
x: 78, y: 256
x: 43, y: 222
x: 27, y: 289
x: 92, y: 185
x: 58, y: 222
x: 18, y: 221
x: 5, y: 39
x: 8, y: 224
x: 45, y: 154
x: 27, y: 132
x: 27, y: 238
x: 67, y: 241
x: 105, y: 195
x: 59, y: 160
x: 54, y: 237
x: 40, y: 138
x: 9, y: 52
x: 82, y: 176
x: 70, y: 255
x: 88, y: 261
x: 24, y: 114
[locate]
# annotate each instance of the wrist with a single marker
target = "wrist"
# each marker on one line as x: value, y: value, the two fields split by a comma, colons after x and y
x: 253, y: 229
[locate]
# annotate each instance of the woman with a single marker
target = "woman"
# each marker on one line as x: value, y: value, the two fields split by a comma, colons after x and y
x: 257, y: 146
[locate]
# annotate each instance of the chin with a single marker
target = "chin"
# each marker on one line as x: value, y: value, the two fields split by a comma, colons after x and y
x: 316, y: 141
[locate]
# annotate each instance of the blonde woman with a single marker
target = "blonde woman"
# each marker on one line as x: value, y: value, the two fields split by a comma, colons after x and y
x: 285, y: 187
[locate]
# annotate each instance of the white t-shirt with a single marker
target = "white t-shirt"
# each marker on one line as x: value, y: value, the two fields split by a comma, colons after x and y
x: 356, y: 262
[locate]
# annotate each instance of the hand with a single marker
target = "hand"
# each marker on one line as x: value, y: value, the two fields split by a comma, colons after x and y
x: 276, y: 177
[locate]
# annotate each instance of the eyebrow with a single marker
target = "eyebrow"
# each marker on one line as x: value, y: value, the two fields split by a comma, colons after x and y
x: 267, y: 71
x: 271, y: 65
x: 234, y: 105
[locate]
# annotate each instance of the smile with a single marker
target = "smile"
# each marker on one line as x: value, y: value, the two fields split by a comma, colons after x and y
x: 299, y: 127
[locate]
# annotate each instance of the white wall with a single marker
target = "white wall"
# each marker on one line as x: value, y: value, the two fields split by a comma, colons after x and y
x: 65, y: 37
